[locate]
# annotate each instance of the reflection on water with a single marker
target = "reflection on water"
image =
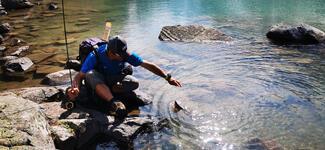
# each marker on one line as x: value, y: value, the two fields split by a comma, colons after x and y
x: 233, y: 92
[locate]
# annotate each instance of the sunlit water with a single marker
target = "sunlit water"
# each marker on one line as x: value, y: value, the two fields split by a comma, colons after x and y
x: 233, y: 92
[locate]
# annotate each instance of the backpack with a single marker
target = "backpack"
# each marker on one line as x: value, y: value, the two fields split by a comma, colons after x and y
x: 87, y: 46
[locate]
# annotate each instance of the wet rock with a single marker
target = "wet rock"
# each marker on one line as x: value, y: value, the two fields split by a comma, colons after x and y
x: 53, y: 27
x: 296, y: 34
x: 23, y: 124
x: 81, y: 23
x: 16, y: 4
x: 34, y: 28
x: 52, y: 6
x: 3, y: 12
x: 16, y: 42
x: 49, y: 14
x: 7, y: 58
x: 20, y: 51
x: 2, y: 50
x: 257, y: 143
x: 18, y: 26
x: 4, y: 28
x: 38, y: 94
x: 77, y: 31
x: 73, y: 64
x: 18, y: 67
x: 1, y: 39
x: 59, y: 78
x: 84, y: 19
x: 191, y: 33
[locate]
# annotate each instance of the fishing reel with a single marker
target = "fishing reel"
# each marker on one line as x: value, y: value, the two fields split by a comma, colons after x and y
x: 66, y: 103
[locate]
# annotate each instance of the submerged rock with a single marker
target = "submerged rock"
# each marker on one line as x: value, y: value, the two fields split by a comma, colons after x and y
x: 17, y: 67
x: 191, y: 33
x: 20, y: 50
x: 52, y: 6
x: 23, y: 125
x: 16, y: 4
x: 59, y: 78
x: 298, y: 34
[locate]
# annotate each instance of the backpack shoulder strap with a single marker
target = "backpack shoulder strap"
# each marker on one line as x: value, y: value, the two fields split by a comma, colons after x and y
x: 95, y: 51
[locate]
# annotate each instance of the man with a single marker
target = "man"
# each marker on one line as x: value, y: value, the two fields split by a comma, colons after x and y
x: 105, y: 76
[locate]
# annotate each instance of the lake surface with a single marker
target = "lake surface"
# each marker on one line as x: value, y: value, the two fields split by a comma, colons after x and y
x: 233, y: 92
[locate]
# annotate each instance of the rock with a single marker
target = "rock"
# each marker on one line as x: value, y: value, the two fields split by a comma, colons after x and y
x: 7, y: 58
x: 125, y: 132
x: 59, y: 78
x: 3, y: 12
x: 18, y: 26
x: 191, y: 33
x: 298, y: 34
x: 52, y: 6
x: 38, y: 94
x: 4, y: 28
x: 73, y: 64
x: 69, y: 41
x: 49, y: 14
x: 17, y: 67
x: 2, y: 50
x: 1, y: 39
x: 23, y: 124
x: 16, y: 41
x: 20, y: 50
x: 16, y: 4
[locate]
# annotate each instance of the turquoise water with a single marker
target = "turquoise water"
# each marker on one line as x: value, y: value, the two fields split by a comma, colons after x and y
x: 233, y: 92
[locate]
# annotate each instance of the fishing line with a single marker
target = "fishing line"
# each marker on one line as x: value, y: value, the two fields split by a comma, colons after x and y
x: 66, y: 41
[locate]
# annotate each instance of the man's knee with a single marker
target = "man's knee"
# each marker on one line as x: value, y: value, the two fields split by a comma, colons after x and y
x: 94, y: 78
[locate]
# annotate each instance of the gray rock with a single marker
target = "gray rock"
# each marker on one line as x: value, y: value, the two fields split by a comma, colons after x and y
x: 20, y: 50
x: 38, y: 94
x: 3, y: 12
x: 297, y: 34
x: 16, y: 41
x: 4, y: 28
x: 23, y: 124
x: 59, y: 78
x: 16, y: 4
x: 1, y: 39
x: 73, y: 64
x: 17, y: 67
x: 191, y: 33
x: 7, y: 58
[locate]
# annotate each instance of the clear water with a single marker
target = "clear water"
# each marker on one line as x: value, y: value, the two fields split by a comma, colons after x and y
x: 233, y: 92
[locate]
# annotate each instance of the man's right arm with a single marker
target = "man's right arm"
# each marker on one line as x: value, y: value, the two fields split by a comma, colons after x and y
x: 77, y: 80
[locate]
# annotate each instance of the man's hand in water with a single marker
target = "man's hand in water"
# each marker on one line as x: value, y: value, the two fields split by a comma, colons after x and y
x: 73, y: 93
x: 174, y: 82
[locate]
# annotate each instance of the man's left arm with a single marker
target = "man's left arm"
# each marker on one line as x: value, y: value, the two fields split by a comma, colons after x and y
x: 158, y: 71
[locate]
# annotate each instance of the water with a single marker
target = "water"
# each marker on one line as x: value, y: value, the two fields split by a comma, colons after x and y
x: 233, y: 92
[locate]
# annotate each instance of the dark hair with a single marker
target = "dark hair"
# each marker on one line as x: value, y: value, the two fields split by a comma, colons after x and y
x: 118, y: 46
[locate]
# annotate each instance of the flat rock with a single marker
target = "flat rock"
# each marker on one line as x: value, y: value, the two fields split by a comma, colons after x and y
x: 191, y: 33
x: 59, y: 78
x: 295, y: 34
x: 23, y: 124
x: 18, y: 67
x: 38, y: 94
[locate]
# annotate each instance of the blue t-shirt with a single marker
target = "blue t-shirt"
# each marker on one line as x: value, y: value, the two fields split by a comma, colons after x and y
x: 107, y: 66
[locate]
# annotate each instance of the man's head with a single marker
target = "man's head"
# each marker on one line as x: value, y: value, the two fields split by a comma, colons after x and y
x: 117, y: 48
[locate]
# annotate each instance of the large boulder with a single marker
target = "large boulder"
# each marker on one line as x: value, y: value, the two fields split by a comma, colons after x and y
x: 191, y: 33
x: 16, y: 4
x: 23, y: 125
x: 59, y: 78
x: 297, y: 34
x: 18, y: 67
x: 38, y: 94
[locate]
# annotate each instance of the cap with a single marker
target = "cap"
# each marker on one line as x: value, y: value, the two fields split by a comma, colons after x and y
x: 118, y: 46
